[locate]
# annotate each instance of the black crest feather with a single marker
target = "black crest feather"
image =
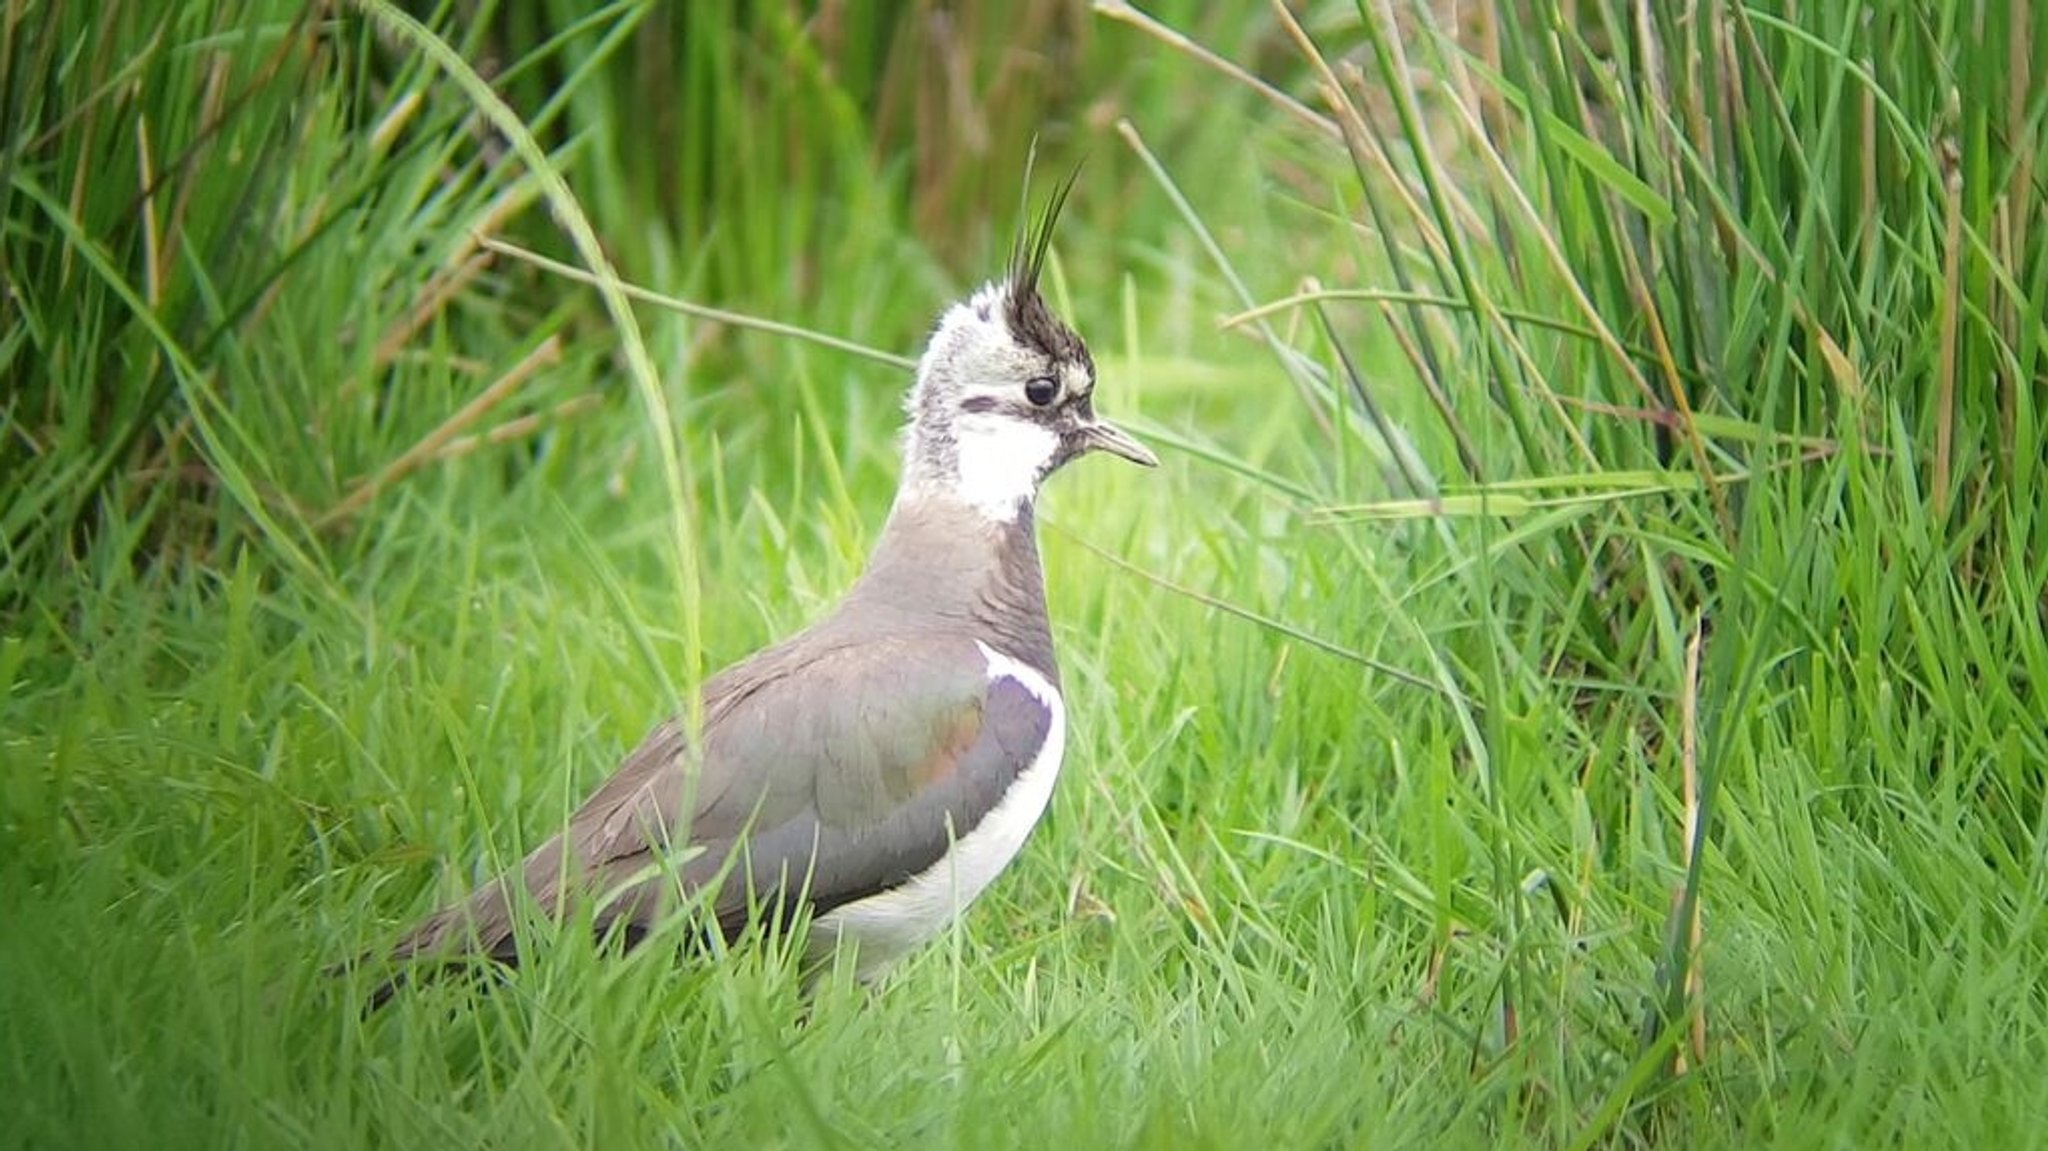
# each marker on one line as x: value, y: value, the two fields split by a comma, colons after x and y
x: 1025, y: 311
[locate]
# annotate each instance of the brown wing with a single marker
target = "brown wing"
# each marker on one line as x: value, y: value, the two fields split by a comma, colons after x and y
x: 823, y: 779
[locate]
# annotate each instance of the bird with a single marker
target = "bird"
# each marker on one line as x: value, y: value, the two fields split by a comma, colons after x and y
x: 875, y: 771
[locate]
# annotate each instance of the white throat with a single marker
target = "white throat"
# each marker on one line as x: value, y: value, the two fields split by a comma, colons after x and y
x: 996, y: 465
x: 1000, y: 464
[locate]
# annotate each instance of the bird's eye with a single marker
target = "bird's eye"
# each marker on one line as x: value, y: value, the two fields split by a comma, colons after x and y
x: 1041, y: 390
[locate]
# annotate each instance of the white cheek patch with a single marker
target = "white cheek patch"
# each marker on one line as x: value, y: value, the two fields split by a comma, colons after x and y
x: 1001, y: 461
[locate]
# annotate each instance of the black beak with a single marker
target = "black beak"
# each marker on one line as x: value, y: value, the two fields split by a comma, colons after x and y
x: 1103, y: 436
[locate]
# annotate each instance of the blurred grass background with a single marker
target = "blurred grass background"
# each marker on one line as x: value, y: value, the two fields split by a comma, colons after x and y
x: 1574, y: 682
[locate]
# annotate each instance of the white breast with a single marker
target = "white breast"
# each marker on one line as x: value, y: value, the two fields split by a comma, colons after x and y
x: 887, y: 926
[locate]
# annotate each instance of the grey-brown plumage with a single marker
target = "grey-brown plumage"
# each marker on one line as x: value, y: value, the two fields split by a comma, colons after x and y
x: 845, y: 748
x: 877, y: 769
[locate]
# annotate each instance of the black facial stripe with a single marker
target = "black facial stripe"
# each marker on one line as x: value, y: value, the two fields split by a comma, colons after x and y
x: 980, y: 404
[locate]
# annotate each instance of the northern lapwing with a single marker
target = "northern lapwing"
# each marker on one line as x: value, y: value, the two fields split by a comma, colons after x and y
x: 878, y: 769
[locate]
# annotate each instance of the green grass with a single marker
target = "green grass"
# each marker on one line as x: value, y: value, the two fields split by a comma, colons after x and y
x: 1618, y: 493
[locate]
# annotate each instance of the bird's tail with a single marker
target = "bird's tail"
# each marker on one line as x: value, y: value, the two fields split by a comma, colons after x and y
x: 450, y: 941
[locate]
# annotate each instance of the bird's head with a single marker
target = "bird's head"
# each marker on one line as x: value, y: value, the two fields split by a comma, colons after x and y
x: 1005, y: 394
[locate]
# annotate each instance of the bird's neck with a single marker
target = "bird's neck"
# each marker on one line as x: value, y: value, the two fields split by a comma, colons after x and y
x: 993, y: 464
x: 946, y: 563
